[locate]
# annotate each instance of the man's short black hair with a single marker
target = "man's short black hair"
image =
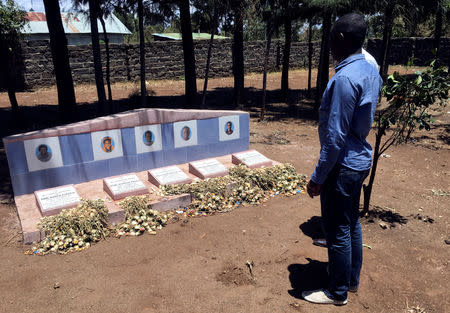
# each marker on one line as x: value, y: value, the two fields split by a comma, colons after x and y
x: 42, y: 146
x: 353, y: 27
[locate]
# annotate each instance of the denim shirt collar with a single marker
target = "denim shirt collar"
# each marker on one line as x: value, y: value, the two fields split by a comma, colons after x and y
x: 349, y: 60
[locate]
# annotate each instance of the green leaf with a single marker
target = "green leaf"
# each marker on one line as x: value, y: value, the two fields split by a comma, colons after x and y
x: 418, y: 80
x: 393, y: 77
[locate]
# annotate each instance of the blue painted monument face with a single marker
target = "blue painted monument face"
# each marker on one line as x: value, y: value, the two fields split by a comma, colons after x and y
x: 127, y: 142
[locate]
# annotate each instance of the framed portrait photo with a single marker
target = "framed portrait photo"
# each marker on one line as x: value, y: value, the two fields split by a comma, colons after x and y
x: 43, y: 153
x: 228, y: 127
x: 148, y: 138
x: 185, y: 133
x: 107, y: 144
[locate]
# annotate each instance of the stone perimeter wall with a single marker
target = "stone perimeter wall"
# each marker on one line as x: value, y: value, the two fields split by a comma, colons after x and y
x: 164, y: 60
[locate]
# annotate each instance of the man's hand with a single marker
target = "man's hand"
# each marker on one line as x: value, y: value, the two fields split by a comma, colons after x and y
x: 313, y: 189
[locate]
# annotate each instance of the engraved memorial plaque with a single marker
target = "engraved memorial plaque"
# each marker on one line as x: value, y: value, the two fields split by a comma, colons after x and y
x: 168, y: 175
x: 251, y: 158
x: 52, y: 201
x: 123, y: 186
x: 207, y: 168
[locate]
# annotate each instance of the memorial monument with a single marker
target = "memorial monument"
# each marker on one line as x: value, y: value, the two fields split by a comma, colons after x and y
x: 129, y: 153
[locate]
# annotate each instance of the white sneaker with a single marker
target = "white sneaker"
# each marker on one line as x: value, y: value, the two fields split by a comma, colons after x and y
x: 320, y: 297
x: 321, y: 242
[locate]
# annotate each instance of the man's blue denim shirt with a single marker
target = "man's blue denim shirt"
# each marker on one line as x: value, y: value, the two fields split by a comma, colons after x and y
x: 346, y: 116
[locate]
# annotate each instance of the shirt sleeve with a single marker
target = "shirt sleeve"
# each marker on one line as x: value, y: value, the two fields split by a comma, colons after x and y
x: 337, y: 125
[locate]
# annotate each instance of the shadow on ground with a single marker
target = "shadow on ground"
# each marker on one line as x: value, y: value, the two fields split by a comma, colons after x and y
x: 310, y: 276
x: 313, y: 228
x: 297, y: 106
x: 385, y: 215
x: 433, y: 141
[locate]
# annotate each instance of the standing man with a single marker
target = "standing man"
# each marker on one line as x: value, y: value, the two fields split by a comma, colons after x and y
x: 346, y: 115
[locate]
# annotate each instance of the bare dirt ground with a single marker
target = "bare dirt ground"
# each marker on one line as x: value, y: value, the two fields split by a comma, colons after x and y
x: 200, y: 266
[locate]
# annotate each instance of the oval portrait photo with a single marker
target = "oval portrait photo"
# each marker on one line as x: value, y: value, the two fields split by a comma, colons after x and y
x: 186, y: 133
x: 229, y: 128
x: 43, y: 153
x: 107, y: 144
x: 148, y: 138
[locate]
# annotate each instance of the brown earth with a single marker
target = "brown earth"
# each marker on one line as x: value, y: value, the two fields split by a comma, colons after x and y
x: 200, y: 266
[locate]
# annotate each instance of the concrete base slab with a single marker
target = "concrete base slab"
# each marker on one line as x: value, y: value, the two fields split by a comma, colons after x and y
x: 173, y: 202
x: 30, y: 214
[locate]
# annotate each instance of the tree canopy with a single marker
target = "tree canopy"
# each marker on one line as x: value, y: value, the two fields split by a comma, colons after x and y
x: 12, y: 19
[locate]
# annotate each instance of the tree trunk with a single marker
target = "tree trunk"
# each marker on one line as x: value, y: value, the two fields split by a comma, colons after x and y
x: 310, y: 51
x: 324, y: 61
x: 8, y: 59
x: 238, y: 56
x: 13, y: 101
x: 208, y: 62
x: 266, y: 61
x: 367, y: 189
x: 438, y: 30
x: 93, y: 15
x: 108, y: 67
x: 143, y: 98
x: 188, y: 52
x: 286, y: 52
x: 61, y: 65
x: 386, y: 43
